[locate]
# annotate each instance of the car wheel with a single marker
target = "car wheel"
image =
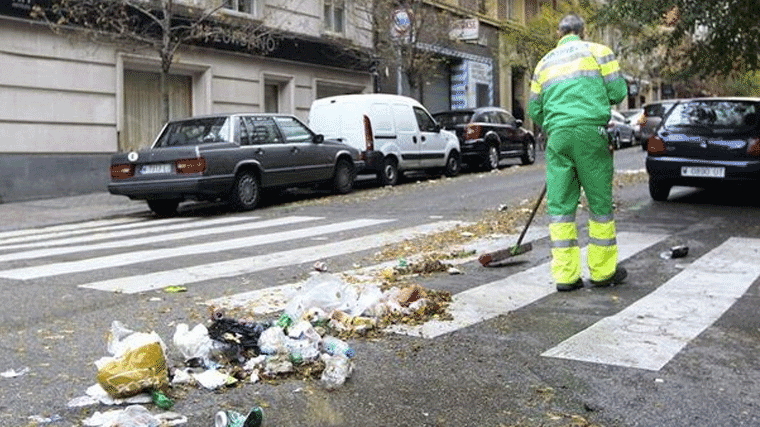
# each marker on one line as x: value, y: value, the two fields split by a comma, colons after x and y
x: 343, y: 181
x: 388, y: 174
x: 492, y: 161
x: 659, y: 189
x: 529, y: 156
x: 246, y: 191
x: 163, y: 207
x: 453, y: 165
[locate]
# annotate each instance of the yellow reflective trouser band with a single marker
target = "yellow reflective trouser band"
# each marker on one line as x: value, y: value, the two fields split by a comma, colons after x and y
x: 602, y: 247
x: 566, y: 254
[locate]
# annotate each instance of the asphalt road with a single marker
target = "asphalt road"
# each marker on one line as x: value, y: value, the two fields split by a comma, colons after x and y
x: 675, y: 346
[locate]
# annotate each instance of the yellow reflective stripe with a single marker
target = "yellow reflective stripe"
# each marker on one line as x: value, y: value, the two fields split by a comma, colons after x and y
x: 609, y: 68
x: 602, y: 261
x: 560, y: 71
x: 535, y: 88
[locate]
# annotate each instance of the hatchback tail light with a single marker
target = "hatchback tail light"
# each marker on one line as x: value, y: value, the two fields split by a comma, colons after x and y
x: 753, y: 148
x: 369, y: 139
x: 472, y: 132
x: 191, y: 165
x: 655, y: 145
x: 123, y: 171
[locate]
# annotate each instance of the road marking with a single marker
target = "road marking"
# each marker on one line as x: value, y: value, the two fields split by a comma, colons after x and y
x: 65, y: 227
x: 249, y: 265
x: 274, y: 298
x: 127, y: 230
x: 518, y: 290
x: 151, y: 255
x: 200, y: 230
x: 651, y: 331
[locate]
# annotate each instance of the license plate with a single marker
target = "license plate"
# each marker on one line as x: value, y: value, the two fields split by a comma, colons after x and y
x: 703, y: 172
x: 156, y: 168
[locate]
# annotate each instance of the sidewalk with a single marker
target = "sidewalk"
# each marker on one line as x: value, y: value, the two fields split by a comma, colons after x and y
x: 38, y: 213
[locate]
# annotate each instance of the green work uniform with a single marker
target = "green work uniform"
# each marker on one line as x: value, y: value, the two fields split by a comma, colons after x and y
x: 571, y: 92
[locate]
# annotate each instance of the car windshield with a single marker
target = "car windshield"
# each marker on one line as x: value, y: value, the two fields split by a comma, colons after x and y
x: 448, y: 120
x: 716, y: 115
x: 195, y: 131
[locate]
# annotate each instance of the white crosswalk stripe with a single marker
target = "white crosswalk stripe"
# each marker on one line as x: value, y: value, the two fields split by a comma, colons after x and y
x: 156, y: 238
x: 648, y: 334
x: 503, y: 296
x: 254, y: 264
x: 651, y: 331
x: 109, y: 261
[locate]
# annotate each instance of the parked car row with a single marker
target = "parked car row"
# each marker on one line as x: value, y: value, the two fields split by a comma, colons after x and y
x: 236, y: 157
x: 705, y: 142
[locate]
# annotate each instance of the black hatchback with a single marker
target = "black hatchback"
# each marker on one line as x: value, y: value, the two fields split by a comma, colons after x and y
x: 705, y: 142
x: 489, y: 134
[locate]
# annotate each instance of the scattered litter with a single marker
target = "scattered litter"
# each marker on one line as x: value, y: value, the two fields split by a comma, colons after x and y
x: 175, y: 289
x: 213, y: 379
x: 193, y: 343
x: 675, y: 252
x: 161, y: 400
x: 12, y: 373
x: 320, y: 266
x: 155, y: 299
x: 96, y: 394
x: 44, y: 420
x: 337, y: 369
x: 503, y: 207
x: 454, y: 271
x: 659, y: 380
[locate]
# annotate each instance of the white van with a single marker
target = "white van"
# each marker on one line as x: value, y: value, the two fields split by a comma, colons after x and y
x: 395, y: 133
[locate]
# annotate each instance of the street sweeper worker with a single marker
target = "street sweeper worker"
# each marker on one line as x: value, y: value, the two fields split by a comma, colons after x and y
x: 571, y: 92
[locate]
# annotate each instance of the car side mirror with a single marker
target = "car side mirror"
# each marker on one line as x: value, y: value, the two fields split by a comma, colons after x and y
x: 437, y: 127
x: 319, y: 138
x: 519, y: 122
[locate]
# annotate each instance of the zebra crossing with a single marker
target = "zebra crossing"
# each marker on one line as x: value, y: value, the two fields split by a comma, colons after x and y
x: 645, y: 335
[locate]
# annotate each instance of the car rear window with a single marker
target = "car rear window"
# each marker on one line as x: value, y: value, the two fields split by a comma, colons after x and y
x: 196, y: 131
x: 451, y: 119
x: 717, y: 115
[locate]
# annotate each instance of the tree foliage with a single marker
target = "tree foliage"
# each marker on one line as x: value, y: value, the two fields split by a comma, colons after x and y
x: 410, y: 50
x: 529, y: 43
x: 161, y: 26
x: 696, y: 38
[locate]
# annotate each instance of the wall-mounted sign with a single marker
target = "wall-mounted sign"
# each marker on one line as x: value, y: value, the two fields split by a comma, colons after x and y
x: 465, y: 29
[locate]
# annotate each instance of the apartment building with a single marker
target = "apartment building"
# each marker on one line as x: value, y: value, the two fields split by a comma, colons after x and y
x: 69, y: 103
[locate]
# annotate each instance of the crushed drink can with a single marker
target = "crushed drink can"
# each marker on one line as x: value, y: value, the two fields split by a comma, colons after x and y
x: 236, y: 419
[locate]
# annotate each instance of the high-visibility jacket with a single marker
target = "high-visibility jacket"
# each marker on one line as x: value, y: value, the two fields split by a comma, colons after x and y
x: 575, y: 84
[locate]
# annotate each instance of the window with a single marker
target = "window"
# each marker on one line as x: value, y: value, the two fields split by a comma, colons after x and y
x: 426, y: 123
x: 292, y: 130
x: 263, y: 130
x: 195, y: 132
x: 243, y: 6
x: 334, y: 15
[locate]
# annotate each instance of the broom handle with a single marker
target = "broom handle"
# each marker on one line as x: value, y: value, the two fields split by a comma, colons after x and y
x: 532, y: 214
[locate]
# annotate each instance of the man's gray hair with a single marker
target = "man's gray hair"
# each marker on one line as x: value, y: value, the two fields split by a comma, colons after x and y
x: 571, y: 24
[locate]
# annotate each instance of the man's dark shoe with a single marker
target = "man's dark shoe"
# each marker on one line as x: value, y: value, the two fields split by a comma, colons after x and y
x: 616, y: 279
x: 567, y: 287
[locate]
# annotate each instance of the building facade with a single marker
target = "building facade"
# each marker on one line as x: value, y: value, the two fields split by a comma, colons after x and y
x: 70, y: 102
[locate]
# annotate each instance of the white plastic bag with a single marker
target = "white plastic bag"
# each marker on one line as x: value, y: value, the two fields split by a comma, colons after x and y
x: 325, y: 291
x: 193, y: 343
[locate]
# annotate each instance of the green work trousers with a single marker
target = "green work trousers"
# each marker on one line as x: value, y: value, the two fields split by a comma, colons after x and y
x: 580, y: 157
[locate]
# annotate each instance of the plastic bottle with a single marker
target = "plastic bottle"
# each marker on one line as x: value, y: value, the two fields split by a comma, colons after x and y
x: 336, y: 346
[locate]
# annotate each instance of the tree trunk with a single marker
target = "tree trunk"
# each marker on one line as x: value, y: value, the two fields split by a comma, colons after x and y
x: 166, y: 57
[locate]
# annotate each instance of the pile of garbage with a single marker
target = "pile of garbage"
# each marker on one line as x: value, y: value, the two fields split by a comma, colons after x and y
x: 307, y: 339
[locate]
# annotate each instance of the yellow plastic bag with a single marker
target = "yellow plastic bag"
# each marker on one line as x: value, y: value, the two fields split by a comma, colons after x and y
x: 140, y: 369
x: 138, y: 364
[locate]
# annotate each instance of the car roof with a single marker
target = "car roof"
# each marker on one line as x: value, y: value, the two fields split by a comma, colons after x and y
x: 208, y: 116
x: 472, y: 110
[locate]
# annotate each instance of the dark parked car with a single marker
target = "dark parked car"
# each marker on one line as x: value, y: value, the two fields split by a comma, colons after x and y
x: 489, y: 134
x: 705, y: 142
x: 650, y: 120
x: 620, y: 130
x: 231, y: 157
